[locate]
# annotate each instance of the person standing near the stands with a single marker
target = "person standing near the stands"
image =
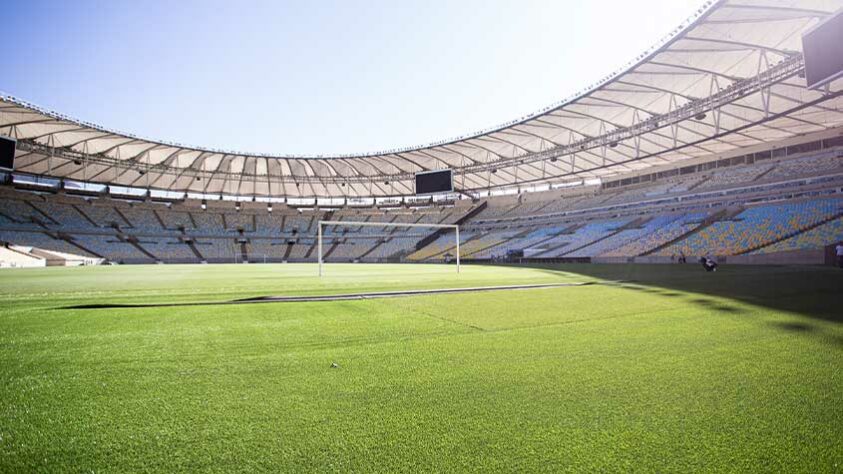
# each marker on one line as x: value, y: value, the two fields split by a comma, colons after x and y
x: 838, y: 250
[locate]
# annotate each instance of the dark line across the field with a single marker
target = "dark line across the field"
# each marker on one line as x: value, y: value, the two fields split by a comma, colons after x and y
x: 340, y: 297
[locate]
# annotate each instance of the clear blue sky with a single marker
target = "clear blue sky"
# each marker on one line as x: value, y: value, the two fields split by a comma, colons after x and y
x: 317, y: 76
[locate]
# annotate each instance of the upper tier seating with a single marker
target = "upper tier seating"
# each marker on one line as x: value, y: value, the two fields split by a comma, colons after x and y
x: 300, y: 224
x: 67, y: 217
x: 492, y: 212
x: 23, y: 213
x: 734, y: 175
x: 816, y: 163
x: 270, y: 224
x: 686, y: 184
x: 336, y: 230
x: 528, y: 208
x: 174, y: 219
x: 641, y: 192
x: 6, y: 221
x: 233, y: 222
x: 209, y: 222
x: 144, y: 220
x: 103, y: 215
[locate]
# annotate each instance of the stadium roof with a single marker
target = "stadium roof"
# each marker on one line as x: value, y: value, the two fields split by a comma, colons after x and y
x: 729, y: 77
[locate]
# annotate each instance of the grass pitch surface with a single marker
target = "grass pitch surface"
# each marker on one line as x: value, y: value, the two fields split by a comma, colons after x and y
x: 672, y: 369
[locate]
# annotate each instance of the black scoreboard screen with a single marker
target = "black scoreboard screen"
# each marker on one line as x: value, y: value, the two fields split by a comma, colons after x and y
x: 7, y: 153
x: 432, y: 182
x: 823, y: 48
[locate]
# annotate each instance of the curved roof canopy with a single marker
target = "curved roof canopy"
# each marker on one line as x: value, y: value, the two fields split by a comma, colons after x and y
x: 729, y: 77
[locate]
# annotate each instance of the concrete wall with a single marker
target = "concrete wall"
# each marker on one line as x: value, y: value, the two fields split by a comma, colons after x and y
x: 611, y: 259
x: 16, y: 259
x: 62, y: 259
x: 795, y: 257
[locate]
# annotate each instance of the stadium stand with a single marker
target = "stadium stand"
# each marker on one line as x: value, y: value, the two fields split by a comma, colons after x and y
x: 756, y: 227
x: 671, y: 230
x: 267, y: 249
x: 24, y: 212
x: 564, y: 244
x: 735, y: 176
x: 42, y: 241
x: 532, y: 238
x: 208, y: 222
x: 791, y: 203
x: 346, y: 250
x: 173, y: 220
x: 821, y: 236
x: 486, y: 241
x: 64, y: 216
x: 144, y: 220
x: 102, y: 215
x: 393, y: 246
x: 811, y: 164
x: 301, y: 248
x: 299, y: 224
x: 168, y: 250
x: 269, y: 224
x: 444, y: 244
x: 623, y: 237
x: 112, y: 248
x: 233, y: 222
x: 218, y: 250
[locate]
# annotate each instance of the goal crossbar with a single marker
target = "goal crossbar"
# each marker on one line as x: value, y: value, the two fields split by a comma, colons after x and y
x: 386, y: 224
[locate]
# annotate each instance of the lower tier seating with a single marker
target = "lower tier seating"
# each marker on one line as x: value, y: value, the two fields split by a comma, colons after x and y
x: 659, y: 236
x: 564, y: 244
x: 755, y: 227
x: 816, y: 238
x: 445, y: 243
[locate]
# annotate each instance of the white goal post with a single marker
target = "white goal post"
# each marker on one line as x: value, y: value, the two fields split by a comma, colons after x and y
x: 386, y: 224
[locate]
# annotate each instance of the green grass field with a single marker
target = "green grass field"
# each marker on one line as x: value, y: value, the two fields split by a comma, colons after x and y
x: 653, y: 368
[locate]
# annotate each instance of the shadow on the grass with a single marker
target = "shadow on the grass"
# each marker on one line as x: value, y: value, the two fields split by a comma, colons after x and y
x: 811, y: 291
x: 336, y: 297
x: 717, y: 306
x: 793, y: 327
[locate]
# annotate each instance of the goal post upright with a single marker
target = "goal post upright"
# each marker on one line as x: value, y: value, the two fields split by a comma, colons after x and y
x: 457, y: 228
x: 319, y: 236
x: 385, y: 224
